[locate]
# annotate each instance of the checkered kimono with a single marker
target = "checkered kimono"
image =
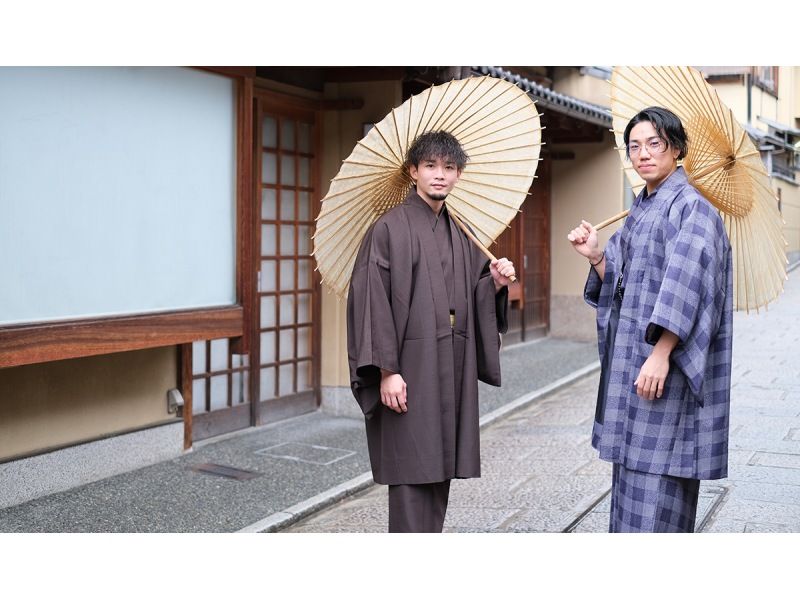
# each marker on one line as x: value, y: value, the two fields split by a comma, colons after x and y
x: 675, y: 261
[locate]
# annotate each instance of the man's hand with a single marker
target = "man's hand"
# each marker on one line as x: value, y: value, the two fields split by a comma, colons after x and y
x: 502, y: 270
x: 393, y: 391
x: 650, y: 381
x: 584, y: 241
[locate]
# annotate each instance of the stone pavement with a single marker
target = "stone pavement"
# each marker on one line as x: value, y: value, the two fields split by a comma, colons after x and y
x: 540, y: 473
x: 283, y: 470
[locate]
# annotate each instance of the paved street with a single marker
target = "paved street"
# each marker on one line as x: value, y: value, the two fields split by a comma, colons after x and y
x: 540, y: 473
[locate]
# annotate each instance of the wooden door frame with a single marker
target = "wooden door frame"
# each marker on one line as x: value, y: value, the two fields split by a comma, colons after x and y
x: 277, y: 409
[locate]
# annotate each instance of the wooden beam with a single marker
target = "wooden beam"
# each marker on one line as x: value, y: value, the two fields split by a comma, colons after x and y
x: 185, y: 385
x: 38, y: 343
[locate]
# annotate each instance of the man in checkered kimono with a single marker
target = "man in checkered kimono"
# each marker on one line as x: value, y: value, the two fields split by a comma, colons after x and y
x: 663, y: 292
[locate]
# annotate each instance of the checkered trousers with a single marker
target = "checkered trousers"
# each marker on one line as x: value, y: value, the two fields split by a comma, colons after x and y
x: 646, y: 502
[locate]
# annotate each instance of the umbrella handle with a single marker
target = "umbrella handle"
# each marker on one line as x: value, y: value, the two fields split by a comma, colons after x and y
x: 474, y: 239
x: 611, y: 220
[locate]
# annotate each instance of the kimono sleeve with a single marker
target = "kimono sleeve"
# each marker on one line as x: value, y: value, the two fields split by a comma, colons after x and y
x: 372, y: 342
x: 491, y: 319
x: 691, y: 297
x: 594, y: 291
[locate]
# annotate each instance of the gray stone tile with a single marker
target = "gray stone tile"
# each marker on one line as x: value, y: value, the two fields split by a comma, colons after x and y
x: 725, y: 525
x: 532, y: 521
x: 766, y: 528
x: 763, y: 492
x: 772, y: 459
x: 593, y: 523
x: 496, y: 467
x: 596, y: 467
x: 476, y: 518
x: 760, y: 512
x: 564, y: 417
x: 568, y: 493
x: 769, y: 475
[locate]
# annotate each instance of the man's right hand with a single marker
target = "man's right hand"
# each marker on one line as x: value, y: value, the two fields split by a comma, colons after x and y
x: 393, y: 391
x: 584, y: 241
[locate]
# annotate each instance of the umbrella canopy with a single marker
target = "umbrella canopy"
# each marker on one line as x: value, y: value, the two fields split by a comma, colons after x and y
x: 497, y: 125
x: 722, y: 163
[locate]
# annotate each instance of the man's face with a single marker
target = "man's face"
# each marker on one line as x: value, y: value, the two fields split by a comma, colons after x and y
x: 652, y: 159
x: 435, y: 178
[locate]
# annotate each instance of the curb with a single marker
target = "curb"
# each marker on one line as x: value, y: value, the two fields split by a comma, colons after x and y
x: 301, y: 510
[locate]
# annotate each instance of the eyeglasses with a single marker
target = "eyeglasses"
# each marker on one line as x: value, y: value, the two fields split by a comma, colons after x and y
x: 656, y: 145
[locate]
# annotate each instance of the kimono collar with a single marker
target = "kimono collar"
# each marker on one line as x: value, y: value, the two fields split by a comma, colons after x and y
x: 676, y: 179
x: 413, y: 199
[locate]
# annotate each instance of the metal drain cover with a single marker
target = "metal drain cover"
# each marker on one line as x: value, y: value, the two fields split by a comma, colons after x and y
x: 225, y: 471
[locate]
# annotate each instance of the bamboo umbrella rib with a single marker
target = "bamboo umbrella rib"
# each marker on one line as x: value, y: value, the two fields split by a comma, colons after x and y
x: 530, y: 146
x: 524, y: 133
x: 465, y: 179
x: 459, y: 110
x: 367, y: 191
x: 776, y: 245
x: 483, y: 125
x: 518, y: 175
x: 422, y: 114
x: 752, y: 272
x: 333, y: 218
x: 741, y: 286
x: 507, y: 149
x: 493, y: 162
x: 646, y: 93
x: 495, y: 142
x: 479, y: 118
x: 775, y: 274
x: 467, y: 111
x: 362, y: 215
x: 376, y: 180
x: 463, y: 119
x: 668, y: 96
x: 698, y: 99
x: 408, y: 122
x: 432, y: 127
x: 470, y: 111
x: 323, y: 249
x: 464, y: 201
x: 460, y: 190
x: 370, y: 165
x: 368, y: 148
x: 377, y: 129
x: 468, y: 142
x: 742, y: 140
x: 699, y: 102
x: 397, y: 133
x: 711, y: 99
x: 451, y: 106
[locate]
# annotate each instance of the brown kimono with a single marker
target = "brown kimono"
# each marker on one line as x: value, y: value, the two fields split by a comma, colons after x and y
x: 398, y: 319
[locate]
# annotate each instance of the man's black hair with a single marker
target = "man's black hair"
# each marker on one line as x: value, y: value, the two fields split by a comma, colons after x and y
x: 667, y: 125
x: 436, y: 144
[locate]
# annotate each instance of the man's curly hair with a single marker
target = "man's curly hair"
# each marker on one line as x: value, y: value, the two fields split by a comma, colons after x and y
x: 436, y: 144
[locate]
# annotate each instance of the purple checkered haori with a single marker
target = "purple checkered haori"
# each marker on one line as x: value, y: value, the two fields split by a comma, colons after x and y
x: 675, y: 261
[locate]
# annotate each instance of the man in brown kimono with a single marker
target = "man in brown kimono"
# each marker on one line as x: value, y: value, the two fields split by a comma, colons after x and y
x: 424, y: 313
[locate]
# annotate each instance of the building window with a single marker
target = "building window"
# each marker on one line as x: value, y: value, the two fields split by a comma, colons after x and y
x: 766, y: 77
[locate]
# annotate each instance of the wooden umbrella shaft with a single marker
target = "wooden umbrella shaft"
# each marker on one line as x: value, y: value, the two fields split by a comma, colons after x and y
x: 474, y: 239
x: 611, y: 220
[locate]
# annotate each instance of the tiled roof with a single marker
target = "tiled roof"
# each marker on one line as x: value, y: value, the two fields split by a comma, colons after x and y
x: 547, y: 98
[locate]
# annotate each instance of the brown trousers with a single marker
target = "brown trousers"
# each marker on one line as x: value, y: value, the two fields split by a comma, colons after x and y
x: 418, y: 508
